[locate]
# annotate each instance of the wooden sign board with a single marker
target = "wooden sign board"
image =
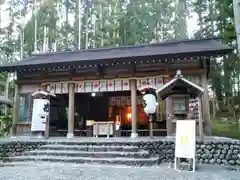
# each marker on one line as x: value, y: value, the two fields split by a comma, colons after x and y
x: 103, y: 128
x: 185, y: 145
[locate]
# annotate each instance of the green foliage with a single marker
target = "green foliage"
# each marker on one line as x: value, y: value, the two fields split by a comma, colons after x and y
x: 5, y: 125
x: 226, y: 129
x: 106, y: 23
x: 216, y: 18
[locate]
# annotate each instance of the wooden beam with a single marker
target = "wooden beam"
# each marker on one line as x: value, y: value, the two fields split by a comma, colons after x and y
x: 170, y: 68
x: 71, y: 73
x: 79, y: 78
x: 85, y: 71
x: 144, y: 74
x: 29, y: 74
x: 100, y: 71
x: 163, y: 64
x: 93, y: 76
x: 132, y: 69
x: 109, y: 76
x: 40, y: 81
x: 196, y: 71
x: 114, y: 70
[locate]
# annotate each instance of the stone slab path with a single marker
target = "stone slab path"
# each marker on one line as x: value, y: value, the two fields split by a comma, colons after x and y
x: 68, y: 171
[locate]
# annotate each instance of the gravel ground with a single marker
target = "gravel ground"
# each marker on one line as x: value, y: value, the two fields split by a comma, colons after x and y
x: 57, y: 171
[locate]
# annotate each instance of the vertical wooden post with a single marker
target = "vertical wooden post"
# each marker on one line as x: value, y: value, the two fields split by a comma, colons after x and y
x: 133, y: 87
x: 71, y: 109
x: 206, y: 110
x: 108, y: 130
x: 46, y: 132
x: 16, y: 107
x: 151, y: 125
x: 97, y: 129
x: 200, y: 122
x: 169, y: 120
x: 48, y: 117
x: 168, y: 105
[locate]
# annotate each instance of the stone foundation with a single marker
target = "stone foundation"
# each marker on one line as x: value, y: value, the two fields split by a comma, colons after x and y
x: 209, y: 152
x: 217, y: 152
x: 17, y: 148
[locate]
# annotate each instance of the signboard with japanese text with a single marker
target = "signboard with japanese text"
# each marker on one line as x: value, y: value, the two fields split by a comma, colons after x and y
x: 185, y: 146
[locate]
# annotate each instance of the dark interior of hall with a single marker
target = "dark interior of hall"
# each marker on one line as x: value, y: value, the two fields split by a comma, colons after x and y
x: 97, y: 108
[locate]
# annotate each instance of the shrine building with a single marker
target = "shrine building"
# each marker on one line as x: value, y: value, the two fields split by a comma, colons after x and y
x: 101, y: 87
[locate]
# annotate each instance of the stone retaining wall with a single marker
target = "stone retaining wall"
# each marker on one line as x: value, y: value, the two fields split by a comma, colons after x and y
x: 210, y: 152
x: 227, y: 153
x: 16, y: 148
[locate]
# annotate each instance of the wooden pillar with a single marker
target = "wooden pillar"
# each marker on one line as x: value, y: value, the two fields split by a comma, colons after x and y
x: 71, y: 108
x: 133, y: 87
x: 206, y: 109
x: 168, y: 106
x: 200, y: 122
x: 47, y: 126
x: 168, y: 114
x: 16, y: 108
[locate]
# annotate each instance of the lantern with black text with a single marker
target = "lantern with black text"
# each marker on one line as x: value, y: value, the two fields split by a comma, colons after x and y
x: 150, y: 104
x: 149, y: 100
x: 40, y: 114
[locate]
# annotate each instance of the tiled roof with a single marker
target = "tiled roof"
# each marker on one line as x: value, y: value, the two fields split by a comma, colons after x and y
x: 201, y: 47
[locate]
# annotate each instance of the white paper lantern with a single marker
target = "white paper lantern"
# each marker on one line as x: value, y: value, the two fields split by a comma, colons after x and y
x: 149, y: 103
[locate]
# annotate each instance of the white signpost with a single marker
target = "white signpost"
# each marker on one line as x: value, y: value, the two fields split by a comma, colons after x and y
x: 185, y: 145
x: 39, y: 116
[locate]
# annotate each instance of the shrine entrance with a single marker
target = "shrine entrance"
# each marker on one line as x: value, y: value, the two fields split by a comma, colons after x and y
x: 100, y: 103
x: 98, y: 107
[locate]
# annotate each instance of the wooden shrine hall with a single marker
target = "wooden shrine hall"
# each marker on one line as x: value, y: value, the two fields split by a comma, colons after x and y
x: 99, y: 88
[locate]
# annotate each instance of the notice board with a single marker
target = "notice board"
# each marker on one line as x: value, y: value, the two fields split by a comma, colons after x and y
x: 185, y: 146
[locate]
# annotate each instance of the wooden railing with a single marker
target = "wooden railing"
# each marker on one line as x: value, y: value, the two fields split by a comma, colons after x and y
x: 119, y: 133
x: 143, y: 132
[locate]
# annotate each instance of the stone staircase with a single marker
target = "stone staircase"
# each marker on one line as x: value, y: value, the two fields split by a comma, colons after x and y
x: 87, y: 153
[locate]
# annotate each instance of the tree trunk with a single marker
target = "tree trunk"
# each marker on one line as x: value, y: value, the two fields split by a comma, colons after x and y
x: 181, y: 29
x: 79, y: 24
x: 214, y: 106
x: 6, y: 93
x: 86, y: 23
x: 101, y: 25
x: 66, y: 24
